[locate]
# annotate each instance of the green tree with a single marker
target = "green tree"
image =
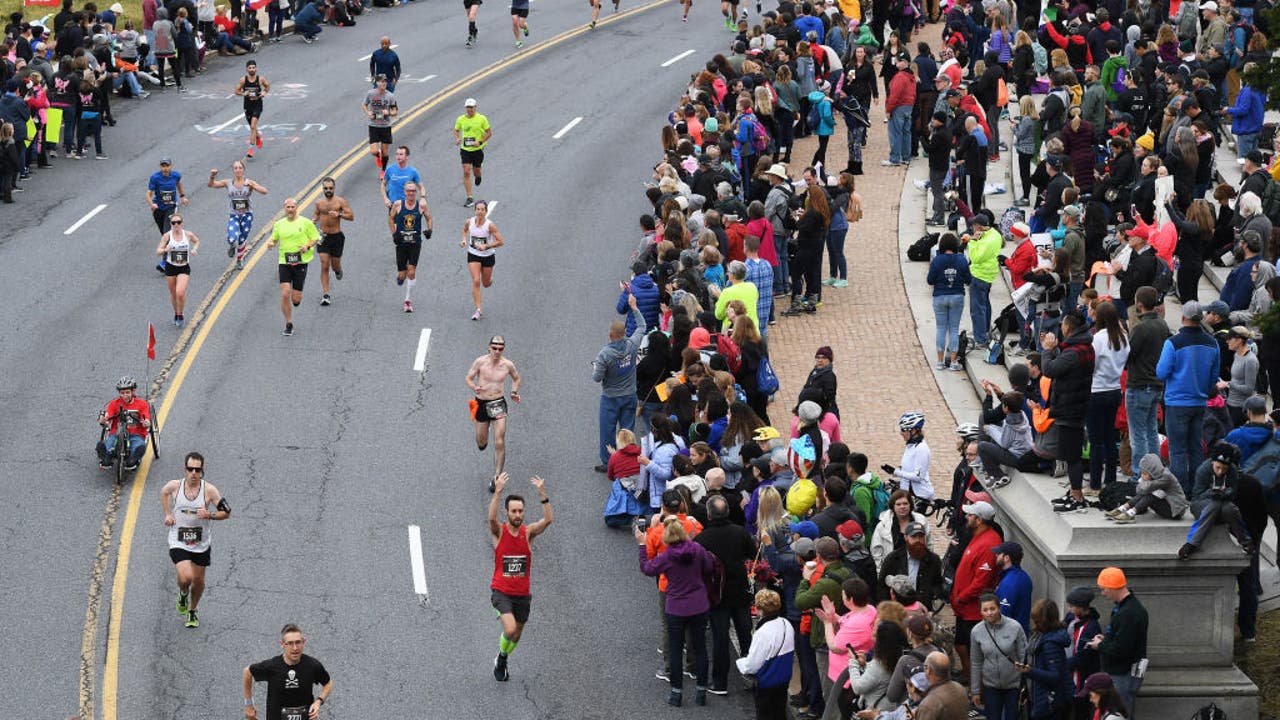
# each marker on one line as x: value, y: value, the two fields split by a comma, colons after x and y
x: 1266, y: 76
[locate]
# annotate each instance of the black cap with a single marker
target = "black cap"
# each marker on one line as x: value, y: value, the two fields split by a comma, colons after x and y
x: 671, y: 499
x: 1255, y: 157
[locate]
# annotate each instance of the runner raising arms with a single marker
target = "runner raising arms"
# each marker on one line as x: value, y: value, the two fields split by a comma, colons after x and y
x: 470, y: 133
x: 190, y: 507
x: 512, y: 559
x: 330, y: 211
x: 176, y: 247
x: 252, y: 87
x: 487, y: 378
x: 472, y: 7
x: 407, y: 231
x: 380, y: 106
x: 239, y: 208
x: 297, y: 237
x: 519, y: 20
x: 480, y: 236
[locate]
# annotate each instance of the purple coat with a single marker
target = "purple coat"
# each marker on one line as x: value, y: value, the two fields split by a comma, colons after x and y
x: 684, y: 564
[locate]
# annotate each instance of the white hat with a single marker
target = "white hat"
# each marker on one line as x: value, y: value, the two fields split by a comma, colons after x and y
x: 981, y: 508
x: 470, y: 102
x: 778, y: 170
x: 1209, y: 5
x: 117, y: 8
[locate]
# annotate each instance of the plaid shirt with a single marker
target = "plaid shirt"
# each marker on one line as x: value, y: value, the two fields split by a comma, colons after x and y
x: 760, y: 274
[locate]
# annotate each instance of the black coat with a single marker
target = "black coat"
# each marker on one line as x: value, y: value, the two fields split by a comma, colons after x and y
x: 1070, y: 366
x: 1144, y: 197
x: 1142, y: 270
x: 1120, y: 175
x: 928, y: 580
x: 734, y: 547
x: 824, y: 381
x: 938, y: 147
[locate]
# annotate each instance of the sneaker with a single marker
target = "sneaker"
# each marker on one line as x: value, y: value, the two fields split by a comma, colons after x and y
x: 1186, y: 551
x: 829, y: 281
x: 231, y: 250
x: 479, y: 180
x: 993, y: 158
x: 477, y: 314
x: 307, y: 40
x: 1124, y: 518
x: 958, y: 367
x: 105, y: 465
x: 525, y: 29
x: 249, y: 154
x: 81, y: 156
x: 259, y: 140
x: 718, y: 690
x: 519, y: 44
x: 239, y: 264
x: 288, y: 330
x: 935, y: 220
x: 337, y: 274
x: 470, y: 201
x: 999, y: 482
x: 470, y: 41
x: 182, y: 604
x: 100, y: 157
x: 888, y: 163
x: 1091, y: 493
x: 408, y: 306
x: 700, y: 696
x: 942, y: 365
x: 841, y: 283
x: 192, y: 620
x: 1113, y: 514
x: 592, y: 26
x: 1066, y: 497
x: 324, y: 301
x: 500, y: 668
x: 1071, y: 505
x: 675, y: 698
x: 131, y: 466
x: 1021, y: 202
x: 600, y: 469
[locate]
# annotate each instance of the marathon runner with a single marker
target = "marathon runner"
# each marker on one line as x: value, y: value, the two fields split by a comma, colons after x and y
x: 330, y: 211
x: 519, y: 20
x: 595, y: 10
x: 385, y: 61
x: 480, y: 236
x: 190, y: 507
x: 407, y: 232
x: 290, y: 677
x: 239, y: 208
x: 512, y: 558
x: 176, y: 248
x: 487, y: 378
x: 297, y: 237
x: 396, y: 176
x: 380, y: 106
x: 470, y: 133
x: 164, y: 191
x: 252, y: 88
x: 472, y: 7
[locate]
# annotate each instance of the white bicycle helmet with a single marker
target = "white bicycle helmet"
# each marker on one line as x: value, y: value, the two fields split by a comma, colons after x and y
x: 911, y: 420
x: 127, y: 383
x: 968, y: 431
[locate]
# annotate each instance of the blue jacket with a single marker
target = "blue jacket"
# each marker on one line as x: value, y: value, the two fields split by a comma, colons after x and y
x: 1237, y: 291
x: 826, y: 120
x: 805, y: 23
x: 1246, y: 114
x: 308, y: 15
x: 949, y: 274
x: 1188, y: 366
x: 647, y: 302
x: 1050, y: 686
x: 1014, y: 591
x: 717, y: 432
x: 789, y: 569
x: 1249, y: 438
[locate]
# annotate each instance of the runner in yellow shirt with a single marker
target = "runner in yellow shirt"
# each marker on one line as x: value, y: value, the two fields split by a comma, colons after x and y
x: 297, y: 238
x: 470, y: 133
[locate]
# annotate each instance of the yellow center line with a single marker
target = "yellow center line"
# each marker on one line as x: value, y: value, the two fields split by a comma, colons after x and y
x: 111, y: 666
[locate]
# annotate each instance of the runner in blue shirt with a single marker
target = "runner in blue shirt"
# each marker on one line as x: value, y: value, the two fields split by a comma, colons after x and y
x: 395, y: 176
x: 164, y: 192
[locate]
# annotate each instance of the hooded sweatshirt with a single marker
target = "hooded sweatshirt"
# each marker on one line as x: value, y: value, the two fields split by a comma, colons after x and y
x: 1163, y: 484
x: 615, y: 365
x: 1014, y: 434
x: 684, y: 564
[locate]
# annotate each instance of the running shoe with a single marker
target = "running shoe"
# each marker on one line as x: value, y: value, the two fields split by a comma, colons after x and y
x: 182, y: 604
x: 519, y: 44
x: 477, y: 314
x: 239, y: 264
x: 1124, y: 518
x: 840, y: 283
x: 958, y: 367
x: 249, y: 154
x: 231, y: 250
x: 408, y: 306
x: 1071, y: 505
x: 500, y: 668
x: 337, y: 274
x: 307, y: 40
x: 470, y: 201
x: 192, y: 620
x: 259, y: 139
x: 179, y: 321
x: 942, y: 365
x: 100, y: 156
x: 324, y: 301
x: 492, y: 486
x: 131, y: 467
x: 662, y: 675
x: 829, y: 281
x: 479, y: 180
x: 718, y: 690
x: 288, y: 330
x: 592, y: 26
x: 526, y: 30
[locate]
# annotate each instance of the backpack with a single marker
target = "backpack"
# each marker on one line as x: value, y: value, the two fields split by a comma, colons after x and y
x: 1264, y: 464
x: 759, y: 136
x: 726, y: 348
x: 794, y: 202
x: 1271, y: 202
x: 1010, y: 216
x: 1040, y: 59
x: 1164, y: 278
x: 920, y: 250
x: 1116, y: 494
x: 1118, y: 85
x: 714, y: 581
x: 766, y: 378
x: 815, y: 116
x: 879, y: 503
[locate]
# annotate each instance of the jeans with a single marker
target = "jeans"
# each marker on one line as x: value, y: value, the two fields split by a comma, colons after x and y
x: 308, y: 30
x: 1128, y: 686
x: 810, y: 681
x: 1000, y: 703
x: 1104, y: 455
x: 676, y: 625
x: 1183, y: 426
x: 275, y: 21
x: 647, y: 410
x: 1249, y: 586
x: 947, y: 310
x: 900, y: 134
x: 1246, y: 144
x: 1141, y: 405
x: 835, y: 253
x: 1072, y: 300
x: 137, y: 446
x: 89, y: 126
x: 721, y: 617
x: 1212, y: 512
x: 131, y: 78
x: 980, y: 309
x: 68, y: 129
x: 615, y: 412
x: 936, y: 180
x: 781, y: 273
x: 226, y: 42
x: 786, y: 129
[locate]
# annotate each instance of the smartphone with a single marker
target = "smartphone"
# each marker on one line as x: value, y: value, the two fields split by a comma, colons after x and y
x: 642, y: 523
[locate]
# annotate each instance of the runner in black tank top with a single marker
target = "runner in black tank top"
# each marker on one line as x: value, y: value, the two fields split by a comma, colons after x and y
x: 252, y: 87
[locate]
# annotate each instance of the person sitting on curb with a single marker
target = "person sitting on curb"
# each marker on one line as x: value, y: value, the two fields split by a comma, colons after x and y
x: 1213, y: 500
x: 1158, y: 490
x: 1011, y: 442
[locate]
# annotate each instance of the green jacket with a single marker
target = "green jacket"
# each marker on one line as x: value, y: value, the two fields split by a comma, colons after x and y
x: 864, y: 498
x: 1110, y: 69
x: 1125, y: 641
x: 809, y: 598
x: 1073, y: 243
x: 983, y: 252
x: 1093, y: 106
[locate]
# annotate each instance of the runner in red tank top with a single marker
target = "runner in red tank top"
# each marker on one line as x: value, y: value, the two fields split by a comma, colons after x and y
x: 512, y: 558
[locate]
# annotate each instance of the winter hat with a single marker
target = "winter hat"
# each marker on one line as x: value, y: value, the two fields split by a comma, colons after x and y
x: 809, y: 411
x: 1080, y: 596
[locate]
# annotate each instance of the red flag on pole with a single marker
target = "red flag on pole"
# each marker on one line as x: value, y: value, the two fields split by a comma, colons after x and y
x: 50, y: 3
x: 151, y: 341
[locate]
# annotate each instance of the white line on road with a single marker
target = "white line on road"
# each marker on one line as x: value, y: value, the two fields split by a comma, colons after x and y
x: 406, y: 78
x: 677, y: 58
x: 88, y: 216
x: 225, y: 124
x: 366, y: 57
x: 420, y: 358
x: 564, y: 130
x: 415, y: 561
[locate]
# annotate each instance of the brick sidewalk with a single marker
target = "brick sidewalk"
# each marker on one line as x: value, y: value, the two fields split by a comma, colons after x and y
x: 879, y: 362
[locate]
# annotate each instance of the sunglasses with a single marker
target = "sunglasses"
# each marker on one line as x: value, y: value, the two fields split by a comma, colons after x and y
x: 496, y: 347
x: 195, y: 469
x: 175, y: 222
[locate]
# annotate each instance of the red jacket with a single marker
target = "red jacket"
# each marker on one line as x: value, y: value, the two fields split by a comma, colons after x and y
x: 623, y: 462
x: 1022, y: 261
x: 902, y: 91
x: 969, y: 104
x: 975, y: 575
x: 737, y: 233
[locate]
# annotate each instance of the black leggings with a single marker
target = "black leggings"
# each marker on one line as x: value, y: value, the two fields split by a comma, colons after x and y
x: 806, y: 272
x: 1189, y: 272
x: 820, y: 155
x: 173, y: 65
x: 1024, y: 173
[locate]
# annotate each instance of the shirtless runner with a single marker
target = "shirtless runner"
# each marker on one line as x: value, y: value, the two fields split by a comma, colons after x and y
x: 487, y: 378
x: 330, y: 211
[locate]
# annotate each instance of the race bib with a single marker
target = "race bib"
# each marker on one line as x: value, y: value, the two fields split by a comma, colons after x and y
x: 515, y: 565
x: 190, y: 535
x: 166, y: 197
x: 408, y: 236
x: 495, y: 408
x: 293, y: 258
x: 294, y: 713
x: 476, y: 242
x: 178, y: 257
x: 240, y: 204
x: 469, y: 142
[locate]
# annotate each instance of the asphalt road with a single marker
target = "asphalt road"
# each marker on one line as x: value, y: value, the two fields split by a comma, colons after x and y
x: 329, y: 444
